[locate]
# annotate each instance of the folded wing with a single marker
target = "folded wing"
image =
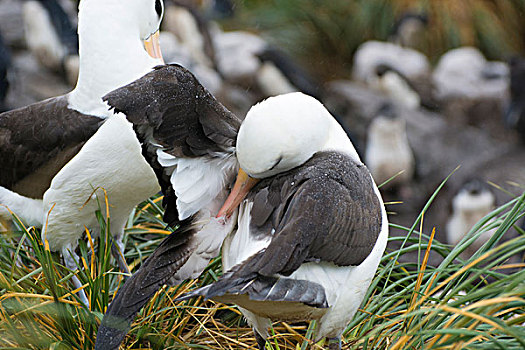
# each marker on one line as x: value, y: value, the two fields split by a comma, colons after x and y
x: 315, y: 213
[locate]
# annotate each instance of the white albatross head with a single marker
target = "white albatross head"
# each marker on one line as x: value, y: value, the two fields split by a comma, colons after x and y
x: 282, y: 133
x: 118, y: 43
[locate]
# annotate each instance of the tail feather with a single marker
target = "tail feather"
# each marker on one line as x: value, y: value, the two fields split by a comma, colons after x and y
x: 158, y: 269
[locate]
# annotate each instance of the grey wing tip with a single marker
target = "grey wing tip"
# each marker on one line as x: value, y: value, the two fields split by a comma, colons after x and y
x: 111, y: 333
x: 203, y: 291
x: 264, y: 288
x: 289, y: 290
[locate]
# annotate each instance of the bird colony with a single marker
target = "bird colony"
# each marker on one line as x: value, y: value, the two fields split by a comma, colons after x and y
x: 285, y: 177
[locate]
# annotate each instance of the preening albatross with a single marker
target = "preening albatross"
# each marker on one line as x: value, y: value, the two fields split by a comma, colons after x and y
x: 101, y: 150
x: 309, y: 235
x: 313, y: 229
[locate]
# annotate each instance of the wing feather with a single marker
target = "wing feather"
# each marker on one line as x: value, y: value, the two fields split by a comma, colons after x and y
x: 157, y: 270
x: 38, y: 140
x: 189, y: 139
x: 331, y: 214
x: 326, y: 211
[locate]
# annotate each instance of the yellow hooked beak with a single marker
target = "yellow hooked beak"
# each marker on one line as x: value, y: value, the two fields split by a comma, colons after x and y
x: 152, y: 46
x: 243, y: 185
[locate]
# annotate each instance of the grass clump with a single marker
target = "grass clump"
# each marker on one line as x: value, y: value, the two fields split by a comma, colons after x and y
x: 474, y: 303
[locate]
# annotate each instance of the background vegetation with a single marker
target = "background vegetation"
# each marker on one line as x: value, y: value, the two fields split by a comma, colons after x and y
x: 329, y: 32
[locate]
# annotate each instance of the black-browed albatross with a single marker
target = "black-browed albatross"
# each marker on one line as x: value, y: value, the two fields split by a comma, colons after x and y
x: 64, y: 148
x: 310, y: 233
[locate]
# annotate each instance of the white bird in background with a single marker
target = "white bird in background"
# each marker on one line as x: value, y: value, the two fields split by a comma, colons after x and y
x: 465, y: 73
x: 388, y: 151
x: 186, y: 40
x: 191, y: 30
x: 246, y: 59
x: 239, y: 68
x: 411, y: 63
x: 68, y: 150
x: 472, y: 202
x: 399, y: 54
x: 396, y: 86
x: 309, y: 235
x: 51, y: 37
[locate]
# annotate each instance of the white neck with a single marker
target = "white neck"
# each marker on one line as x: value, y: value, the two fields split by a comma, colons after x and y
x: 338, y: 141
x: 111, y: 55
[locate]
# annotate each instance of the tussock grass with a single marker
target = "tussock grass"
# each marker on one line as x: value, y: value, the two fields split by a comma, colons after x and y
x: 477, y: 303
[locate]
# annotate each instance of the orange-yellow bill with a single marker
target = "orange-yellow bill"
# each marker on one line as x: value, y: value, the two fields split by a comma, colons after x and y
x: 243, y: 185
x: 152, y: 46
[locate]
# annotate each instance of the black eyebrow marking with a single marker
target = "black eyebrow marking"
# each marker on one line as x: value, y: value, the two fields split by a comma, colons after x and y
x: 276, y: 163
x: 158, y: 7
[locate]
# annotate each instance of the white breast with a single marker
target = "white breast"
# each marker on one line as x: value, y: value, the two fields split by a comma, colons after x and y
x: 459, y: 74
x: 399, y: 90
x: 240, y: 245
x: 272, y: 82
x: 72, y: 197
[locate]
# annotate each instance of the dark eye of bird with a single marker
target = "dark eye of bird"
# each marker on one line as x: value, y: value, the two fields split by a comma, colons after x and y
x: 158, y: 7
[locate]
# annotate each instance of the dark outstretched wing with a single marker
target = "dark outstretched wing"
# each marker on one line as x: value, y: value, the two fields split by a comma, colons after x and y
x: 170, y: 111
x: 37, y: 141
x: 156, y: 271
x: 326, y: 210
x: 169, y: 108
